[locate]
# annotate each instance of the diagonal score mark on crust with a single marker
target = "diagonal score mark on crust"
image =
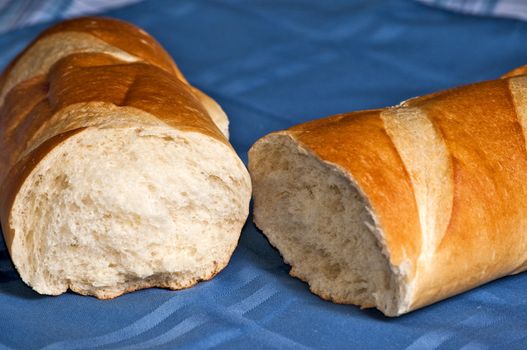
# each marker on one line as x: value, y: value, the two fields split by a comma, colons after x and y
x: 518, y: 90
x: 428, y: 162
x: 45, y: 52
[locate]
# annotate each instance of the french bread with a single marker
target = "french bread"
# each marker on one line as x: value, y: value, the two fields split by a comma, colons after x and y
x: 400, y: 207
x: 115, y: 173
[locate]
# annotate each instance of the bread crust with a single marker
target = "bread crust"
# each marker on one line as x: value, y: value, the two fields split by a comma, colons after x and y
x: 478, y: 229
x: 114, y: 32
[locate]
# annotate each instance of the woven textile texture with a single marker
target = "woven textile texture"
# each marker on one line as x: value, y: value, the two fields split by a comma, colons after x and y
x: 272, y: 64
x: 498, y: 8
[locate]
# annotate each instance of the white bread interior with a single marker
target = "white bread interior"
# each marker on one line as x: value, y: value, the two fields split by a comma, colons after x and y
x: 112, y: 210
x: 322, y: 225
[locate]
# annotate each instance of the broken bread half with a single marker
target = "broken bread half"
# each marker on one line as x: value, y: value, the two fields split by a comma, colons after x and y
x: 398, y: 208
x: 115, y: 173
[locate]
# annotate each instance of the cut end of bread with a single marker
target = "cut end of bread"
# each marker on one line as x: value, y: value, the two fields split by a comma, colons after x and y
x: 322, y: 225
x: 114, y: 210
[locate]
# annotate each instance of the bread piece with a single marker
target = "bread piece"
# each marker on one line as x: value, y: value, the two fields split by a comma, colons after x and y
x: 400, y: 207
x: 113, y: 175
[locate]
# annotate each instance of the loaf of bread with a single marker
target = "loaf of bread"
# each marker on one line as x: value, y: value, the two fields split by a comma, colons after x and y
x: 115, y: 173
x: 400, y: 207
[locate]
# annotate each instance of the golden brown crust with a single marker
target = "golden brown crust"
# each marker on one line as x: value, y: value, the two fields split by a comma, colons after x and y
x: 516, y: 72
x: 17, y: 122
x: 91, y: 77
x: 119, y: 34
x: 485, y: 220
x: 480, y: 127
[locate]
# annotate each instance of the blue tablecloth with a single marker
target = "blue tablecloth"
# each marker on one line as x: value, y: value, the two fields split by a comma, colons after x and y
x: 272, y: 64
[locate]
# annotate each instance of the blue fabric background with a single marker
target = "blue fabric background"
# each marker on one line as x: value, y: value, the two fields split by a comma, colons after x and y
x: 272, y: 64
